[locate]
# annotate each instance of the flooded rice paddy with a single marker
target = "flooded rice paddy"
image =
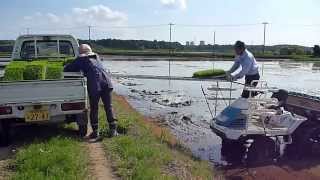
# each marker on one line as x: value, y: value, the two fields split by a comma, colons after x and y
x: 181, y: 106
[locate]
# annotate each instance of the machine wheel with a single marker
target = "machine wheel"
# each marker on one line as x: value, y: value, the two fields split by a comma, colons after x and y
x: 310, y: 142
x: 232, y: 151
x: 82, y: 122
x: 261, y: 151
x: 298, y: 149
x: 4, y: 134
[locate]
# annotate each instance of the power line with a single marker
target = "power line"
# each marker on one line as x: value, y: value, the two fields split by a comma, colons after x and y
x: 216, y: 25
x: 132, y: 27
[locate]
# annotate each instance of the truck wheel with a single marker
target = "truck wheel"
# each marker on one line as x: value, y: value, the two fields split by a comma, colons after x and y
x: 310, y: 142
x: 261, y: 151
x: 82, y: 122
x: 4, y: 134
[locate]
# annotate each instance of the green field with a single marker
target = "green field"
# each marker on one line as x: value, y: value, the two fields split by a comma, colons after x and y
x: 192, y: 54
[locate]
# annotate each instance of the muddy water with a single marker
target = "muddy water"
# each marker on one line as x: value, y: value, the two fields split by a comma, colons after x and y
x: 190, y: 122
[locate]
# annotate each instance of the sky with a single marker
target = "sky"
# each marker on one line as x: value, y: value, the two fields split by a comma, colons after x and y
x: 290, y: 21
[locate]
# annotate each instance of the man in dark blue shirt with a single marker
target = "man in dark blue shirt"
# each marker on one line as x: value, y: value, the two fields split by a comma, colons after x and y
x: 99, y: 86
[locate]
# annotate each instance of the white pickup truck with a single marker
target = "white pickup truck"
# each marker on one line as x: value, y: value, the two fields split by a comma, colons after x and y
x: 44, y: 101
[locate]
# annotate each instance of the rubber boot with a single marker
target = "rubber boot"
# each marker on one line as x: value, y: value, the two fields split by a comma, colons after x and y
x: 113, y: 130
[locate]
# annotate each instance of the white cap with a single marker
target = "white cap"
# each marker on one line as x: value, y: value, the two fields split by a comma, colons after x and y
x: 85, y: 50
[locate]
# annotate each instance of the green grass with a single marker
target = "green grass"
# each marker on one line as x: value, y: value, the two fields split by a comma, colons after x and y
x: 305, y: 58
x: 209, y: 73
x: 56, y: 158
x: 139, y: 154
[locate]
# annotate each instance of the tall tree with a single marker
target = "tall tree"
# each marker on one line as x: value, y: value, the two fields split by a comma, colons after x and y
x: 316, y: 50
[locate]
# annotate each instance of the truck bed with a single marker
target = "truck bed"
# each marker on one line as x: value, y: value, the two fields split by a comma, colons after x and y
x: 35, y: 92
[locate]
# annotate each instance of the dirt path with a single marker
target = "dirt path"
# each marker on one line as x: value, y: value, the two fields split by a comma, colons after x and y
x: 99, y: 166
x: 5, y: 154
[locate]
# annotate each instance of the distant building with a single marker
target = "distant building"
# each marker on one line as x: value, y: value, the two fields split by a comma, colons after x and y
x: 192, y: 43
x: 187, y: 43
x: 202, y: 43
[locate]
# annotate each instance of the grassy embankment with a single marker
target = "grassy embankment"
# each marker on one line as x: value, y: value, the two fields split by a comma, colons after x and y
x: 147, y: 151
x: 144, y: 152
x: 47, y: 152
x: 56, y: 158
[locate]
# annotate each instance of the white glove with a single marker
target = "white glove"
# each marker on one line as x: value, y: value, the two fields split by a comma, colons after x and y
x: 229, y: 77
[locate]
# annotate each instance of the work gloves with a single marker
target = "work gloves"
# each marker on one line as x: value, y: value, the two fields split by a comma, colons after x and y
x: 229, y: 77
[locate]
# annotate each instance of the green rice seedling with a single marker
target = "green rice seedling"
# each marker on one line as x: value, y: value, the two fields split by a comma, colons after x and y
x: 68, y: 61
x: 56, y: 62
x: 36, y: 71
x: 209, y: 73
x: 54, y: 71
x: 17, y: 63
x: 13, y: 73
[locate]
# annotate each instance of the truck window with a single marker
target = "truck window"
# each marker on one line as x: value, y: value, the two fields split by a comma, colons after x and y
x: 47, y: 49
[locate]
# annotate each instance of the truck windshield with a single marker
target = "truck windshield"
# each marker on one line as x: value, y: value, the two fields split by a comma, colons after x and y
x: 47, y: 49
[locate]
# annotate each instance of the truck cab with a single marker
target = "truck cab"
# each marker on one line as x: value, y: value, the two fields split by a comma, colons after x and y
x: 45, y: 46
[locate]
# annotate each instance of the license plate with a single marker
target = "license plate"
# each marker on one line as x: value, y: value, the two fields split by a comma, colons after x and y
x: 37, y: 116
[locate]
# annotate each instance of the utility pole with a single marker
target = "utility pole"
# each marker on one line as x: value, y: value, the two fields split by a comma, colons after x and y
x: 213, y: 48
x: 264, y: 42
x: 170, y: 51
x: 214, y: 41
x: 28, y: 31
x: 264, y: 35
x: 89, y: 32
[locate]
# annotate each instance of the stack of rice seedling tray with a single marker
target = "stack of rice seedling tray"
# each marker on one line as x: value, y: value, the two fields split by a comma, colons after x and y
x: 19, y: 70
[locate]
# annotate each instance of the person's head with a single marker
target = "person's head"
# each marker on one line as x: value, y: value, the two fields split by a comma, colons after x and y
x: 239, y: 47
x: 85, y: 49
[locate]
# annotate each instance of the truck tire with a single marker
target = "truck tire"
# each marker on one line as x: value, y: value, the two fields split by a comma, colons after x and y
x: 4, y: 134
x: 261, y: 151
x: 82, y: 122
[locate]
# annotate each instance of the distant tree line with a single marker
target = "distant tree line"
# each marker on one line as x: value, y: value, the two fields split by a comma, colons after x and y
x: 228, y: 49
x: 133, y: 44
x: 7, y: 45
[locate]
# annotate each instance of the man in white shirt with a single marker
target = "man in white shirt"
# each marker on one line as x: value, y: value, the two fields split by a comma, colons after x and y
x: 249, y: 67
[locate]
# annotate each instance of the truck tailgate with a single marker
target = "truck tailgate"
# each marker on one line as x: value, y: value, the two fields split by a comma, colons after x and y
x: 42, y: 91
